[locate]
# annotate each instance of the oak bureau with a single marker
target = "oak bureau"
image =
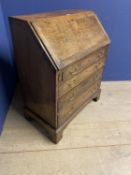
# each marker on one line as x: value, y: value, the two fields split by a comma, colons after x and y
x: 60, y: 58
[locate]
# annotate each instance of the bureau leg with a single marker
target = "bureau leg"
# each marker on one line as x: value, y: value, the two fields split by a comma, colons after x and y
x: 97, y: 95
x: 55, y: 135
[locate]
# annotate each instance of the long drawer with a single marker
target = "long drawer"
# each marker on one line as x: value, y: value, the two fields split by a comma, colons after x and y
x: 80, y: 65
x: 73, y: 94
x: 72, y: 106
x: 76, y: 80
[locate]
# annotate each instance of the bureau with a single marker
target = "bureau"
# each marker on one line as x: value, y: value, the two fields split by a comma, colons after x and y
x: 60, y: 58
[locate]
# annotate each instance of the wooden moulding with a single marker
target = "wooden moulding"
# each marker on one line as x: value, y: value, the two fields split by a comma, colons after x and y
x: 55, y: 135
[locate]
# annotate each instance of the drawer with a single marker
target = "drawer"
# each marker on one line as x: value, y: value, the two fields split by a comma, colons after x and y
x: 71, y: 107
x: 71, y: 95
x: 76, y: 80
x: 80, y: 65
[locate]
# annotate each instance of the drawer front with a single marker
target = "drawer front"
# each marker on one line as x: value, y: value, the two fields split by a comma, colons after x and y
x: 75, y: 92
x: 76, y: 80
x: 65, y: 112
x: 79, y: 66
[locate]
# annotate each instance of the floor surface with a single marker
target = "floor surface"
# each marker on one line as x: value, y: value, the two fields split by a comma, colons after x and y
x: 96, y: 142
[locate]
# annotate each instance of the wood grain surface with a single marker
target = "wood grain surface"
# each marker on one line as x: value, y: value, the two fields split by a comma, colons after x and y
x: 33, y: 17
x: 72, y: 35
x: 80, y: 65
x: 76, y: 80
x: 73, y: 105
x: 78, y: 90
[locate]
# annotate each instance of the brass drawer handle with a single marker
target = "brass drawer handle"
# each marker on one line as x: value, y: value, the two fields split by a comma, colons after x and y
x: 101, y: 54
x: 72, y: 97
x: 60, y: 77
x: 74, y: 70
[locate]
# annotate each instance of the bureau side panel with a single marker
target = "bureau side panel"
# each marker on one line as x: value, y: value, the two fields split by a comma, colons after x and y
x: 36, y: 73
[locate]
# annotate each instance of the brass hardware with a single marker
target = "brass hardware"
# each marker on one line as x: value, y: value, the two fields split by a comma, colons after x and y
x: 60, y: 77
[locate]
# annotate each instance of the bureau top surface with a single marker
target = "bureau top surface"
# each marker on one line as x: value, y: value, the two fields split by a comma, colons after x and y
x: 69, y: 35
